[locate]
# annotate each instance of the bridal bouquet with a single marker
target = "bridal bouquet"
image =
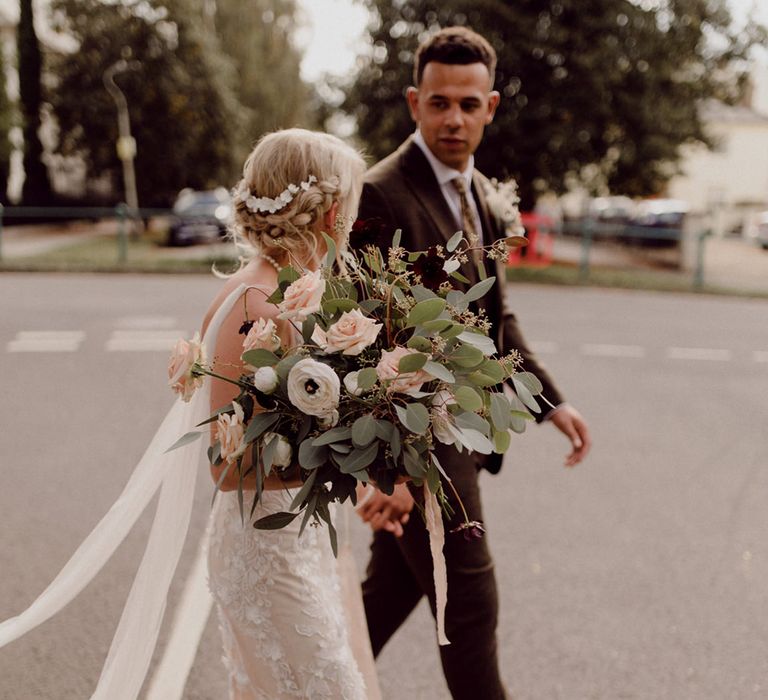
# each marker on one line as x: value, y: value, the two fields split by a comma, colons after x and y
x: 391, y: 361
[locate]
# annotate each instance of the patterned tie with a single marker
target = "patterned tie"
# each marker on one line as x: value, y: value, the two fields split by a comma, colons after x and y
x: 467, y: 220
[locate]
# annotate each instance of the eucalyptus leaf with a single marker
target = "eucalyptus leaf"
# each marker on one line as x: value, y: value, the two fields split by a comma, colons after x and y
x: 268, y: 455
x: 395, y: 443
x: 454, y: 330
x: 309, y: 511
x: 369, y: 305
x: 456, y: 298
x: 531, y: 382
x: 422, y: 293
x: 358, y: 459
x: 420, y: 343
x: 439, y: 371
x: 259, y: 424
x: 260, y: 358
x: 454, y: 240
x: 480, y: 341
x: 185, y: 439
x: 333, y: 306
x: 466, y: 356
x: 288, y: 274
x: 500, y: 411
x: 479, y: 290
x: 468, y: 398
x: 330, y: 246
x: 396, y: 238
x: 363, y: 430
x: 275, y: 521
x: 285, y: 365
x: 303, y: 493
x: 311, y: 456
x: 525, y: 395
x: 413, y: 463
x: 433, y: 479
x: 501, y: 441
x: 415, y: 417
x: 412, y: 362
x: 384, y: 429
x: 333, y: 435
x: 437, y: 326
x: 461, y: 278
x: 451, y: 265
x: 341, y: 447
x: 308, y: 327
x: 472, y: 421
x: 517, y: 424
x: 367, y: 378
x: 224, y: 409
x: 424, y: 311
x: 477, y: 441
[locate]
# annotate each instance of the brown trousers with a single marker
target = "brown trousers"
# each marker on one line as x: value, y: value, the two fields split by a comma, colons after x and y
x: 400, y: 573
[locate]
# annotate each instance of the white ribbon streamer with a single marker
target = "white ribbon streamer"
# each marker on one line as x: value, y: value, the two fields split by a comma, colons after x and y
x: 434, y: 519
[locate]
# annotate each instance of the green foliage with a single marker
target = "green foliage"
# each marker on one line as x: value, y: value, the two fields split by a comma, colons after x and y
x: 606, y: 91
x: 184, y: 115
x: 6, y: 122
x: 256, y: 36
x: 37, y: 187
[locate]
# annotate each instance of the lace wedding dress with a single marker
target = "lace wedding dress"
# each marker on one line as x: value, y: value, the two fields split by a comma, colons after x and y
x: 279, y: 602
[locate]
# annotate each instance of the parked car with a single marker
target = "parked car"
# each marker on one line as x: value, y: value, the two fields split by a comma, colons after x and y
x: 200, y: 216
x: 663, y: 219
x: 757, y: 230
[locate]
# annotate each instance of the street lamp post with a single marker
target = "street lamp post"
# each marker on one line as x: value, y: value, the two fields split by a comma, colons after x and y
x: 126, y: 144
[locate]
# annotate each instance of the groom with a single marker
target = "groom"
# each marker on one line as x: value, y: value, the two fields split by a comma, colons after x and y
x: 430, y: 189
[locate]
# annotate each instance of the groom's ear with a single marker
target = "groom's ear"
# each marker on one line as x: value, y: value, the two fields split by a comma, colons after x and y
x: 412, y: 97
x: 493, y: 102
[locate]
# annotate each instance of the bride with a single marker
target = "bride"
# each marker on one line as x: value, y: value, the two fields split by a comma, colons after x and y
x: 278, y: 597
x: 290, y: 613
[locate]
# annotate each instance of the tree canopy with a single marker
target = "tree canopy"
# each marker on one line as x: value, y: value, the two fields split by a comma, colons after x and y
x: 606, y: 91
x: 184, y: 114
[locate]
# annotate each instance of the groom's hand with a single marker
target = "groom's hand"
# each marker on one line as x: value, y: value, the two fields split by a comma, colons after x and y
x: 571, y: 423
x: 388, y: 513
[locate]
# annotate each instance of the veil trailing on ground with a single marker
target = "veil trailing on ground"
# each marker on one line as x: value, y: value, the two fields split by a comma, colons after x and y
x: 174, y: 475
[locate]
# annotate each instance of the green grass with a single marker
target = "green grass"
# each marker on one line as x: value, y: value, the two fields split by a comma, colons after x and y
x: 621, y: 278
x: 102, y: 254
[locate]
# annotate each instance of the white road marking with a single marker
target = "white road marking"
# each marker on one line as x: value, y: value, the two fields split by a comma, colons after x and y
x: 144, y: 340
x: 146, y: 322
x: 704, y: 354
x: 544, y: 347
x: 610, y: 350
x: 46, y: 341
x: 760, y: 355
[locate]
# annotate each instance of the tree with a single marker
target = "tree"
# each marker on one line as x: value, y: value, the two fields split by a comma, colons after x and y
x: 605, y: 91
x: 256, y: 35
x: 37, y: 187
x: 6, y: 122
x: 184, y: 115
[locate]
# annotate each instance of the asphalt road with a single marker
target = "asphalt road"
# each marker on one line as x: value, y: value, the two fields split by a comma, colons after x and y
x: 641, y: 574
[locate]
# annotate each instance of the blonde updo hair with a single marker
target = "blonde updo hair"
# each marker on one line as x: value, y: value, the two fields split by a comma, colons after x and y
x: 291, y: 157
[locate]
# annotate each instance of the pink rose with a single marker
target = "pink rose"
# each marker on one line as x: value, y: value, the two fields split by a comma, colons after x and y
x: 262, y: 336
x: 351, y: 334
x: 230, y: 432
x: 387, y: 370
x: 303, y: 297
x: 186, y: 356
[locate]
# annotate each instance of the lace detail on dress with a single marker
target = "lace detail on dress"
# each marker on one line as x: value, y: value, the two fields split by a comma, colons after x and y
x: 280, y: 610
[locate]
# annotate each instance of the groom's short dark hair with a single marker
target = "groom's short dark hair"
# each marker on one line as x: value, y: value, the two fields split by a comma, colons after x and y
x: 454, y: 46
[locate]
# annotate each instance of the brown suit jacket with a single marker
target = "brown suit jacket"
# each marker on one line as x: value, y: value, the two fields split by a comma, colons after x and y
x: 402, y: 191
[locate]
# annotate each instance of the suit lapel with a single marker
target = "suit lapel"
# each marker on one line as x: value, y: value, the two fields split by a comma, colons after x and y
x: 421, y: 179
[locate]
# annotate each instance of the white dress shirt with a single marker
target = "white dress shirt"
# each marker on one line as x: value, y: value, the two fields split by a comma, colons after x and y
x: 444, y: 175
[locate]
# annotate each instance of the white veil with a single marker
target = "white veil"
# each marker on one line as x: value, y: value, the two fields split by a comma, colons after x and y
x: 174, y: 474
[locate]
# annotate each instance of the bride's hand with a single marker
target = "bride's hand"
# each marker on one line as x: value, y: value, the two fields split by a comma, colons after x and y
x: 384, y: 512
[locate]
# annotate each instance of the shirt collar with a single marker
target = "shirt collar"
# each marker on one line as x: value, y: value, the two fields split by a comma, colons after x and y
x: 443, y: 173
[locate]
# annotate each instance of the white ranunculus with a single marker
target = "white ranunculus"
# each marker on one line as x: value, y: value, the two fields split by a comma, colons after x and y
x: 350, y: 383
x: 283, y: 449
x: 313, y: 387
x: 352, y: 333
x: 265, y: 379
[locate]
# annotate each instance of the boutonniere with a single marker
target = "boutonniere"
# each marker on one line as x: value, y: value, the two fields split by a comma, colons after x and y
x: 502, y: 201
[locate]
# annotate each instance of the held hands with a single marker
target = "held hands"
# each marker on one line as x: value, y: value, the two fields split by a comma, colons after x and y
x: 571, y: 423
x: 384, y: 512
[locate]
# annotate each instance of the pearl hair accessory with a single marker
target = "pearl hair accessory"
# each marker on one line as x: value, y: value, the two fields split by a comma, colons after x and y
x: 271, y: 204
